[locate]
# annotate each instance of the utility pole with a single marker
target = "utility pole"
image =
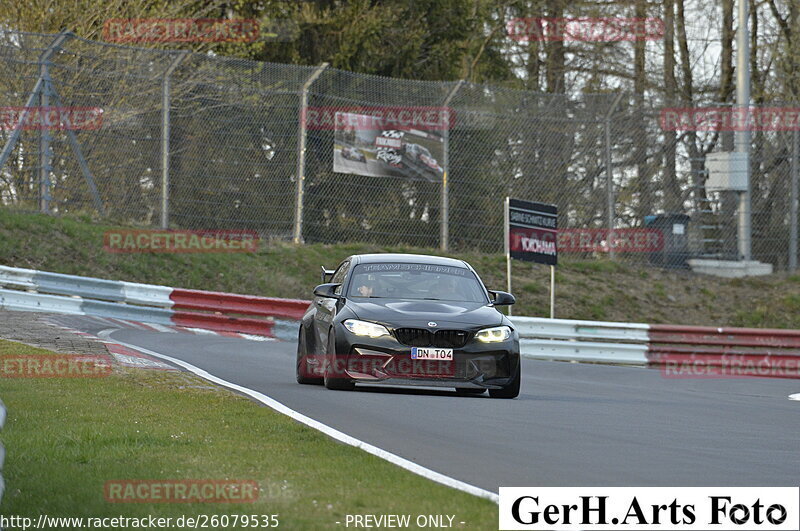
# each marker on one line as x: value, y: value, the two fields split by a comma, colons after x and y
x: 743, y: 135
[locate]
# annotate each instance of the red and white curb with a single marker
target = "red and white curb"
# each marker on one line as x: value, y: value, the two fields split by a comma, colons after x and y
x: 133, y: 358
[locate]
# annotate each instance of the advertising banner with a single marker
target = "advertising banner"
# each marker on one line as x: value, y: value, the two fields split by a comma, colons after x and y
x: 532, y: 231
x: 362, y: 146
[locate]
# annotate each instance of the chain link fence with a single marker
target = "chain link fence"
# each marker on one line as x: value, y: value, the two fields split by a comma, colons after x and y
x: 193, y: 141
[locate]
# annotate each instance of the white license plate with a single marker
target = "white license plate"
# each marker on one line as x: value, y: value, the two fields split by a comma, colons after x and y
x: 418, y: 353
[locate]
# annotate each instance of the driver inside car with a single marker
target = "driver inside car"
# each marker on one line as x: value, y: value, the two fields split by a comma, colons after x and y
x: 367, y: 287
x: 448, y: 288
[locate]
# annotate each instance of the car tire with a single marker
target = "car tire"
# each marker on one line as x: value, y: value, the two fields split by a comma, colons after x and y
x: 331, y: 380
x: 511, y: 390
x: 469, y: 391
x: 302, y: 363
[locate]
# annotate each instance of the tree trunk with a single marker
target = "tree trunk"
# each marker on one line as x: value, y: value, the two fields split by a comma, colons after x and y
x: 672, y: 191
x: 641, y: 140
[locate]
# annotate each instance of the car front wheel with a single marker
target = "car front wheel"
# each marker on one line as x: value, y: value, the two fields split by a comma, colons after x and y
x: 511, y: 390
x: 303, y: 370
x: 333, y: 372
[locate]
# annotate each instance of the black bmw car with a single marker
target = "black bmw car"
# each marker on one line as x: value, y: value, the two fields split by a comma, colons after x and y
x: 405, y: 319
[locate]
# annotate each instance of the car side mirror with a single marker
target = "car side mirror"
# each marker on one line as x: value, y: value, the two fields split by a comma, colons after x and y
x: 327, y: 290
x: 327, y: 274
x: 502, y: 298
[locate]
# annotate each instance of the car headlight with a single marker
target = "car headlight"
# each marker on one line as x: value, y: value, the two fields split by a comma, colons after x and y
x: 364, y: 328
x: 494, y: 335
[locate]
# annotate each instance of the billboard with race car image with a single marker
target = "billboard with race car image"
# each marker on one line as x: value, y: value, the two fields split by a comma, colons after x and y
x: 363, y: 146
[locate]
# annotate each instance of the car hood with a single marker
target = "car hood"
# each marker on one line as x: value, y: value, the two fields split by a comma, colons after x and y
x: 417, y: 313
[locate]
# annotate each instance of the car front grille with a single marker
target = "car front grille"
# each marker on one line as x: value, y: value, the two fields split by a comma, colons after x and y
x: 419, y: 337
x: 413, y: 337
x: 450, y: 338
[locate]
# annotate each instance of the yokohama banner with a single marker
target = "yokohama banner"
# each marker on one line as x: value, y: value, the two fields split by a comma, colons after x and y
x: 532, y: 231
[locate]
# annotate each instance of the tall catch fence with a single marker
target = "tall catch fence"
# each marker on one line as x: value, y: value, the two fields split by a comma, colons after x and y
x: 193, y: 141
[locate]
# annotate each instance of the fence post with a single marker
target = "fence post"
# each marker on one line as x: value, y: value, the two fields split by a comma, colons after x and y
x: 610, y: 177
x: 44, y: 59
x: 76, y: 150
x: 793, y: 202
x: 301, y: 155
x: 44, y: 143
x: 444, y: 229
x: 165, y: 123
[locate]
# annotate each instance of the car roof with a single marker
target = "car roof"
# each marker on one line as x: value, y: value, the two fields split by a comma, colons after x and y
x: 408, y: 258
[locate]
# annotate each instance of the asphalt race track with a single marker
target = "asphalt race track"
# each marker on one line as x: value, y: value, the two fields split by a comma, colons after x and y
x: 573, y: 424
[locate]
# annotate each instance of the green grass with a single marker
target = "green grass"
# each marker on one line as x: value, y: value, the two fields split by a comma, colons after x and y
x: 659, y: 290
x: 782, y: 312
x: 65, y: 438
x: 640, y: 293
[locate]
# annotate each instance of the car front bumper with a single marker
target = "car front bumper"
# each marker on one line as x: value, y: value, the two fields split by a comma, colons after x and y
x: 386, y: 361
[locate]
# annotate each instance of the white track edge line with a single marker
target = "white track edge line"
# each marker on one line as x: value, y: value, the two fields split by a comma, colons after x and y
x: 395, y: 459
x: 162, y: 328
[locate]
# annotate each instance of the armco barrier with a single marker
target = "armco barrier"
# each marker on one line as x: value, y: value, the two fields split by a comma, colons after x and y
x: 762, y: 352
x: 565, y: 339
x: 32, y: 290
x: 244, y: 304
x: 559, y: 339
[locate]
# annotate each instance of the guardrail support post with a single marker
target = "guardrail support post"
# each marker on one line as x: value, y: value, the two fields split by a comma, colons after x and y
x: 301, y: 156
x: 165, y: 123
x: 444, y: 230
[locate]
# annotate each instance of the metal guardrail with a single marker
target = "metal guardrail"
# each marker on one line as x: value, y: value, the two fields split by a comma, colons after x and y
x: 763, y: 352
x: 571, y: 329
x: 585, y: 351
x: 86, y: 287
x: 558, y: 339
x: 595, y: 341
x: 32, y: 290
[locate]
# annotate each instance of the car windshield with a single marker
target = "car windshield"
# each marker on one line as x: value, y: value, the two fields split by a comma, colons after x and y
x: 416, y: 281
